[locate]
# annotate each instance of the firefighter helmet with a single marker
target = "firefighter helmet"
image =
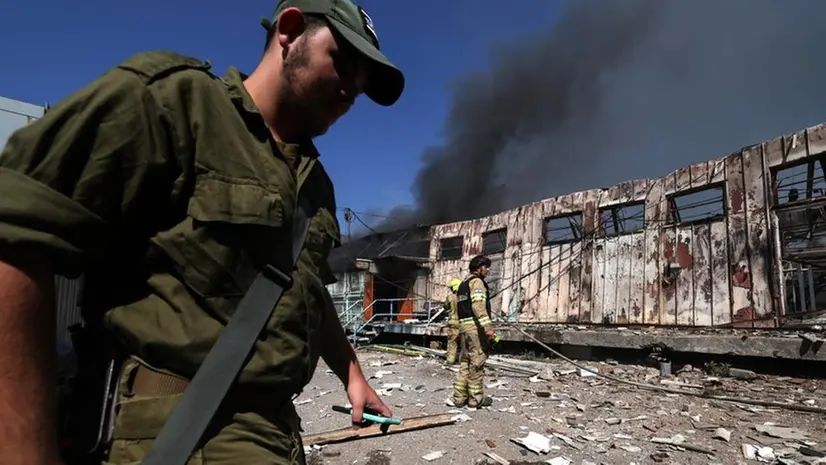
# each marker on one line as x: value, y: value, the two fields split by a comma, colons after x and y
x: 454, y: 284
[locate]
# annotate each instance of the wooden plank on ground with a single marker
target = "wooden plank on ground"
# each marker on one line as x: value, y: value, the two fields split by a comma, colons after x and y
x: 356, y: 432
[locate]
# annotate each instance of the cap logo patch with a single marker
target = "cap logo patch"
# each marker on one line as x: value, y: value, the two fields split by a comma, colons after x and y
x: 368, y: 25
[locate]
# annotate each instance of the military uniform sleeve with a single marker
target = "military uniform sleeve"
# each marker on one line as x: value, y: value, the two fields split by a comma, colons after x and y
x: 478, y: 300
x: 319, y: 187
x: 72, y: 180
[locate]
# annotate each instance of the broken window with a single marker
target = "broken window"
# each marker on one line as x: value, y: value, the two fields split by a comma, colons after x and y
x: 805, y: 181
x: 563, y: 228
x: 704, y: 205
x: 622, y: 219
x: 494, y: 242
x: 799, y: 196
x: 450, y: 248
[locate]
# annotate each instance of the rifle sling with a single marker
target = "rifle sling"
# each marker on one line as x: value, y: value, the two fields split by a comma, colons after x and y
x: 201, y: 399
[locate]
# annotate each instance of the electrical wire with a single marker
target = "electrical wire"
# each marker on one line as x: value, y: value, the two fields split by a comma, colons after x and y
x: 362, y: 222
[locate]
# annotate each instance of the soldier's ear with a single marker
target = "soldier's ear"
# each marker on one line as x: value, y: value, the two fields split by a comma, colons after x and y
x: 289, y: 26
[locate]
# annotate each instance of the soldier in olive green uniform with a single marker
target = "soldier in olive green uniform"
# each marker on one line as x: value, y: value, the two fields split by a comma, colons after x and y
x: 451, y: 307
x: 475, y: 335
x: 170, y: 188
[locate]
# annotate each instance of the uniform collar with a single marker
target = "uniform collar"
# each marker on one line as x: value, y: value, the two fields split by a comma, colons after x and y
x: 242, y: 100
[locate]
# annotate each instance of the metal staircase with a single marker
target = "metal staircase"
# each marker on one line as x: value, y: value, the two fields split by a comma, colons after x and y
x: 359, y: 330
x: 364, y: 331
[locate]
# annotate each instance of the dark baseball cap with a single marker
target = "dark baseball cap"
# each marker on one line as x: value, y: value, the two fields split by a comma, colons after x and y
x: 385, y: 81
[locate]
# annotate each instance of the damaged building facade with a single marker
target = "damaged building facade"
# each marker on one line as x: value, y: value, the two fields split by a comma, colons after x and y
x: 733, y: 242
x: 382, y: 278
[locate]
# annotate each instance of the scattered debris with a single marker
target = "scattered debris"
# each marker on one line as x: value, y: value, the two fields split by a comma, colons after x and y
x: 535, y: 443
x: 378, y: 457
x: 782, y: 432
x: 659, y: 456
x: 382, y: 363
x: 742, y: 374
x: 460, y: 417
x: 498, y: 383
x: 588, y: 371
x: 569, y: 419
x: 679, y: 442
x: 630, y: 448
x: 669, y: 382
x: 496, y: 458
x: 722, y: 433
x: 567, y: 441
x: 753, y: 452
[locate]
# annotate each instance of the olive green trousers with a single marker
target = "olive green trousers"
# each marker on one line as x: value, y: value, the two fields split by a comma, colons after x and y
x: 246, y: 430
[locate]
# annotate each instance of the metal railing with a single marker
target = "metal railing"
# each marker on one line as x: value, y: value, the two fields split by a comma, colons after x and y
x: 356, y: 322
x: 349, y: 315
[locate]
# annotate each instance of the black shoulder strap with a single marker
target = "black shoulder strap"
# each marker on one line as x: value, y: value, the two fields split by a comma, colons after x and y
x: 184, y: 428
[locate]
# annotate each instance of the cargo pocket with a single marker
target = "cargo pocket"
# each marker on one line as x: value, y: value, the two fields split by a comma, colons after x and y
x: 235, y: 226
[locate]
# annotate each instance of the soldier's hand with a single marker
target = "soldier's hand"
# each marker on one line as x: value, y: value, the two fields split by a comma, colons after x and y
x: 362, y: 397
x: 491, y: 334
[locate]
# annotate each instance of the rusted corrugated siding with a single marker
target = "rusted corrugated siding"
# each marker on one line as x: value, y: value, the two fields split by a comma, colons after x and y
x: 714, y: 272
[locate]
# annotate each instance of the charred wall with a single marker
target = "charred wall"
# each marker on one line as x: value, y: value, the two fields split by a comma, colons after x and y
x: 697, y: 247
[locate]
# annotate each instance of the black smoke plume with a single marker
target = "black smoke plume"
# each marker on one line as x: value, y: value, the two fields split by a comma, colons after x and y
x: 618, y: 90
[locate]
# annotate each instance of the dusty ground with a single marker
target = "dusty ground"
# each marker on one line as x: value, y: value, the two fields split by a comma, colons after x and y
x: 588, y: 419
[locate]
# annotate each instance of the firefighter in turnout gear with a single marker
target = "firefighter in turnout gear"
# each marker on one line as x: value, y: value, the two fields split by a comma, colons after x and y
x: 475, y: 335
x: 450, y: 306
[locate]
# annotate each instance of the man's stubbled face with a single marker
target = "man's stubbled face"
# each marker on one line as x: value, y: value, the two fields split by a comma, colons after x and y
x: 323, y: 78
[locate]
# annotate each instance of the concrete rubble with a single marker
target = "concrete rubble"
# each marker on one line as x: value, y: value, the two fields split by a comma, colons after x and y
x: 551, y: 412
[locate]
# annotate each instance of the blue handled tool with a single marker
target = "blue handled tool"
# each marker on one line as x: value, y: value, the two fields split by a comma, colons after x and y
x: 369, y: 416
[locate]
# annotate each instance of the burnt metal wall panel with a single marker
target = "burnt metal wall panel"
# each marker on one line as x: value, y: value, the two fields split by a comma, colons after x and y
x: 724, y: 271
x: 755, y: 177
x: 720, y: 284
x: 654, y: 214
x: 739, y: 267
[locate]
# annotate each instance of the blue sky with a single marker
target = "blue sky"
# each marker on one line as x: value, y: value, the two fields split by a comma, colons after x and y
x: 49, y: 48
